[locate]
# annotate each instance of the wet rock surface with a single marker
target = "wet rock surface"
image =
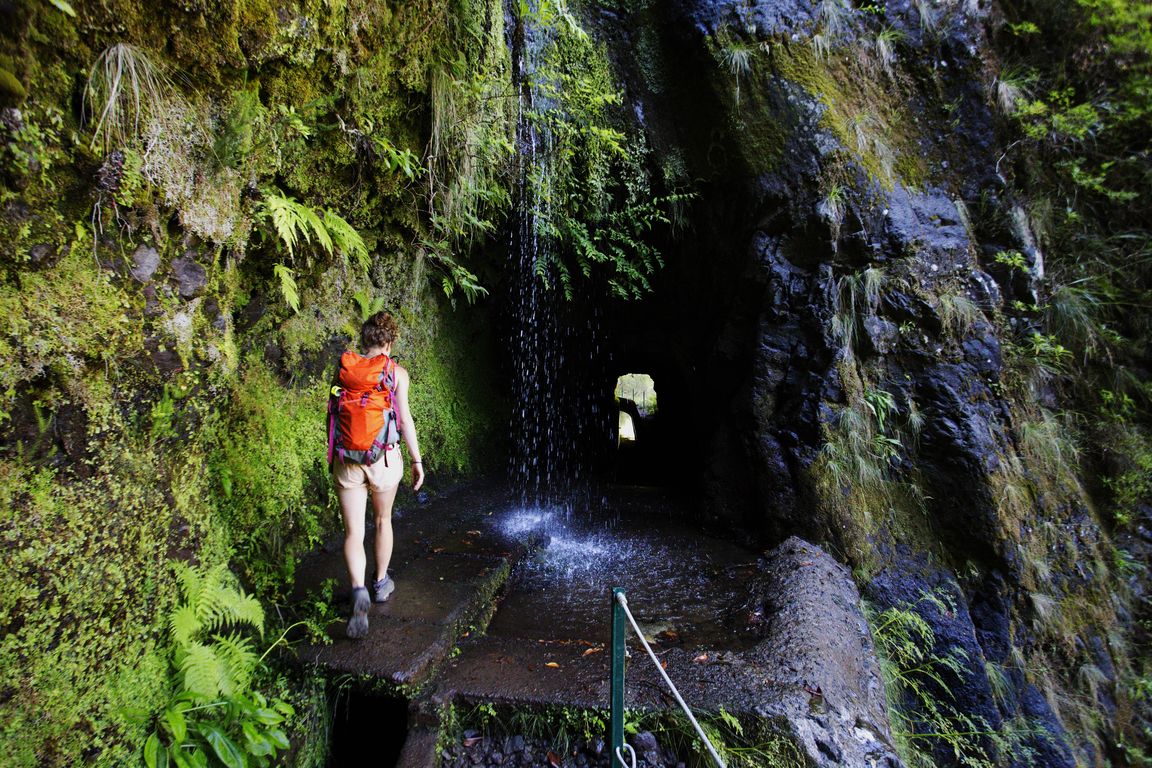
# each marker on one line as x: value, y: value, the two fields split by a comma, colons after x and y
x: 818, y: 650
x: 475, y: 749
x: 190, y: 275
x: 145, y: 262
x: 447, y: 565
x: 783, y: 639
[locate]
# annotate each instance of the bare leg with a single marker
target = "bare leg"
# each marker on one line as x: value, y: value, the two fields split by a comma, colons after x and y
x: 382, y: 504
x: 352, y: 504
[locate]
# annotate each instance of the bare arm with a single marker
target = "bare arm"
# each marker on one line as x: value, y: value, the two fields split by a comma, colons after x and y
x: 408, y: 427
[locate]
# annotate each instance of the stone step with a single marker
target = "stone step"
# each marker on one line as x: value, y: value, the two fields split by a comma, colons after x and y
x: 448, y: 565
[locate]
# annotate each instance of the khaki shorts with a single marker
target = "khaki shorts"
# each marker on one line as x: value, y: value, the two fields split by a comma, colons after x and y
x: 378, y: 477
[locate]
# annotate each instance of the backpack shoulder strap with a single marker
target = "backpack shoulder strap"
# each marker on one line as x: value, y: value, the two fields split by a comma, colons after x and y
x: 388, y: 376
x: 334, y: 408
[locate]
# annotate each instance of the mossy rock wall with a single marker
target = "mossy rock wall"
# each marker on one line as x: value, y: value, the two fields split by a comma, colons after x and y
x: 159, y: 397
x: 908, y: 352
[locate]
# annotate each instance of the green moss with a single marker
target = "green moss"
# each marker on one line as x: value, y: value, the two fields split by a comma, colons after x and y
x: 81, y: 610
x: 746, y: 86
x: 12, y: 91
x: 55, y: 320
x: 861, y: 110
x: 269, y: 476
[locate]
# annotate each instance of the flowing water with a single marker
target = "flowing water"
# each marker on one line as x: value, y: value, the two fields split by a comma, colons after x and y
x: 553, y: 340
x: 685, y: 584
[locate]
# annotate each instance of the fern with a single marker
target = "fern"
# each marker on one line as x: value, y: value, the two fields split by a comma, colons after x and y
x: 367, y: 305
x: 284, y: 212
x: 203, y: 674
x: 237, y: 661
x: 215, y: 716
x: 183, y: 625
x: 294, y: 222
x: 288, y: 286
x: 212, y: 601
x: 347, y: 239
x: 311, y: 222
x: 916, y: 677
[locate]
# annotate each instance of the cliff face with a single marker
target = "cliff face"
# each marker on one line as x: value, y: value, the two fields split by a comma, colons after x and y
x: 867, y: 325
x: 899, y: 314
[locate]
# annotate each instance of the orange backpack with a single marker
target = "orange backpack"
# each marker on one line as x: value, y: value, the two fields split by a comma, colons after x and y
x: 362, y: 419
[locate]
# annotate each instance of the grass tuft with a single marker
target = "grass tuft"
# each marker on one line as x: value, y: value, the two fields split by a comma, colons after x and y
x: 125, y: 88
x: 958, y: 313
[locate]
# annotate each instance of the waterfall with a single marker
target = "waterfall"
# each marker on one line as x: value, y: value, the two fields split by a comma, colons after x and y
x: 552, y: 343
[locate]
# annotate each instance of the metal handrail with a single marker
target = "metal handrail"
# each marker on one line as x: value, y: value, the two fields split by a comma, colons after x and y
x: 616, y: 727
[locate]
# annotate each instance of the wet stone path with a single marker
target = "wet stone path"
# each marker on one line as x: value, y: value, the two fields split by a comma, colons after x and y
x: 507, y: 605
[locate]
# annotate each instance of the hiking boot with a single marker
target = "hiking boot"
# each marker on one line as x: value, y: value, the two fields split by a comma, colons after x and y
x: 358, y: 624
x: 383, y: 588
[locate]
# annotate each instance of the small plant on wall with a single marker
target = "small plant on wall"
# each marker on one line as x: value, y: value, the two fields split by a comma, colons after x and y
x: 216, y: 717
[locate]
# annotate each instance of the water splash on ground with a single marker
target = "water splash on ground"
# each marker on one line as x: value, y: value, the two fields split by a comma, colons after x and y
x: 682, y: 583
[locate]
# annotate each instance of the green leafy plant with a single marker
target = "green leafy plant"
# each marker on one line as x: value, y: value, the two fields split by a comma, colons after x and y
x: 917, y: 681
x: 235, y: 140
x: 855, y: 296
x: 738, y: 57
x: 739, y: 744
x: 367, y: 304
x: 1048, y: 353
x: 882, y: 406
x: 1010, y: 88
x: 288, y: 288
x: 1013, y: 260
x: 834, y: 206
x: 216, y: 717
x: 886, y: 42
x: 295, y: 224
x: 456, y: 276
x: 397, y: 160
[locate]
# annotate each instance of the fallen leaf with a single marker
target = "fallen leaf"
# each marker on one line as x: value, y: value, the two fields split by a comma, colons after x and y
x: 554, y: 759
x: 473, y: 741
x: 552, y: 664
x: 591, y: 651
x: 473, y: 533
x: 701, y: 658
x: 663, y: 664
x: 437, y: 550
x: 466, y: 541
x: 806, y: 562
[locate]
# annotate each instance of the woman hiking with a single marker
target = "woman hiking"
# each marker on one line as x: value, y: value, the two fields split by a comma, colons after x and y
x: 368, y: 414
